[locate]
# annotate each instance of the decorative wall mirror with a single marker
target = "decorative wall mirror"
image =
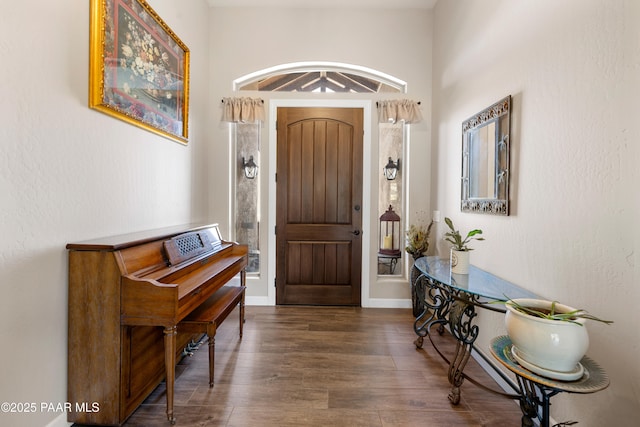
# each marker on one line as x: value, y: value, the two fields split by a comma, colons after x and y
x: 485, y: 160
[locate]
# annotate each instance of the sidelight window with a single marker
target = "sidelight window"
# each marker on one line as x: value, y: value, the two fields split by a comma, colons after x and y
x: 246, y: 142
x: 394, y: 116
x: 245, y: 117
x: 391, y: 195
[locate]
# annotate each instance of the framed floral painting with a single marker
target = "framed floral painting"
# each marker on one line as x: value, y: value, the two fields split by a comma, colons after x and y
x: 139, y: 69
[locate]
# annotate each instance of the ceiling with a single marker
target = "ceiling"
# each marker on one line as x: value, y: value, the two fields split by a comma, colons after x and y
x: 393, y: 4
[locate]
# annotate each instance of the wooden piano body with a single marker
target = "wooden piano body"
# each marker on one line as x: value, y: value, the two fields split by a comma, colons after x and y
x: 127, y: 295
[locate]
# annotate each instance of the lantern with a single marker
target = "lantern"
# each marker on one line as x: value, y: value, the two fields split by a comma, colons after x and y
x: 250, y: 168
x: 391, y: 169
x: 390, y: 233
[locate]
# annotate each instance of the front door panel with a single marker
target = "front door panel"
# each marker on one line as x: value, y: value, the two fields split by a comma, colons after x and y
x: 319, y: 194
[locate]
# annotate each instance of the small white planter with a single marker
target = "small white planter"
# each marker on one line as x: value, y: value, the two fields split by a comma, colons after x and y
x: 459, y: 262
x: 551, y: 346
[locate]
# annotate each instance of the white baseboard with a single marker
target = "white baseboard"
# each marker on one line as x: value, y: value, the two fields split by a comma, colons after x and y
x: 371, y: 302
x: 387, y: 303
x: 490, y: 369
x: 256, y: 300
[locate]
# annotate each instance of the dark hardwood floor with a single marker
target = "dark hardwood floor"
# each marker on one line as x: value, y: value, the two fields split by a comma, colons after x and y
x: 324, y: 366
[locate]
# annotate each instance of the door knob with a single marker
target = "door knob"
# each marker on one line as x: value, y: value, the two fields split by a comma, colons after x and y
x: 356, y: 232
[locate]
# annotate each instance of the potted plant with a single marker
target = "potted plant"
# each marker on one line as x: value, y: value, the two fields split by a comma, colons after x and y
x: 460, y: 249
x: 548, y: 338
x: 418, y: 239
x: 417, y: 246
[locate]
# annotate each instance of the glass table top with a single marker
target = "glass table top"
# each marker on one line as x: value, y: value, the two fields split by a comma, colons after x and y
x: 477, y: 282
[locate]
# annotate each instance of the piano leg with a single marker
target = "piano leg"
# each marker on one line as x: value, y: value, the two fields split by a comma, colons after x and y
x: 170, y: 333
x: 212, y: 354
x: 243, y: 282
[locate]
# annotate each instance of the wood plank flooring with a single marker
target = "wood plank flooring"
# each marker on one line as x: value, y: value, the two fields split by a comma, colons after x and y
x: 324, y: 366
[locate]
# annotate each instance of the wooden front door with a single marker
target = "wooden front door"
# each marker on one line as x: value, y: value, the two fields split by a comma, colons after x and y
x: 319, y: 206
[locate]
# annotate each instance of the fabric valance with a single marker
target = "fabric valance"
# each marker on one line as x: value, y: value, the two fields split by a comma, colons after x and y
x: 243, y: 110
x: 395, y: 110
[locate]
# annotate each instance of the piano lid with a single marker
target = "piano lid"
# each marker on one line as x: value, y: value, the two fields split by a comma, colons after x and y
x: 114, y: 243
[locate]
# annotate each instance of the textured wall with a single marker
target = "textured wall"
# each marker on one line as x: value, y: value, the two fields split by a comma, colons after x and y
x: 572, y: 69
x: 68, y: 173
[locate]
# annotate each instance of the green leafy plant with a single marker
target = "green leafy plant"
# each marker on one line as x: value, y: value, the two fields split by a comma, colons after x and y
x: 455, y: 238
x: 418, y: 239
x: 553, y: 314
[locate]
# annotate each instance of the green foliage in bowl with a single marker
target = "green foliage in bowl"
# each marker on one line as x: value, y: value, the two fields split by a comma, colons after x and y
x: 455, y: 238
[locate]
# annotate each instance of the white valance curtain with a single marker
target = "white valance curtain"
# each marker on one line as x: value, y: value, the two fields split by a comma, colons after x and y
x: 395, y: 110
x: 243, y: 110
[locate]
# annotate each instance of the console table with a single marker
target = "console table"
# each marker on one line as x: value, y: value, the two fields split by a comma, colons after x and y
x: 442, y: 298
x: 536, y: 391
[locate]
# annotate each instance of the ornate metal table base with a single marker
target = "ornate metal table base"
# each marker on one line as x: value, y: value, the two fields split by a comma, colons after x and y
x: 444, y: 305
x: 442, y: 299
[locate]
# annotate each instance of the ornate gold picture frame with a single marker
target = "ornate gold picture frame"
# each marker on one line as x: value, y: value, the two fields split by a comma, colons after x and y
x: 139, y: 68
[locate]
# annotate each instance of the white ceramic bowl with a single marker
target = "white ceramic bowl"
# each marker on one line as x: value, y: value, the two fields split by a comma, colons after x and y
x: 549, y: 344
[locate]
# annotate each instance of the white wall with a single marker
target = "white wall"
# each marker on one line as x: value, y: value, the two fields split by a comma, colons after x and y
x: 393, y: 41
x: 572, y: 68
x: 68, y: 173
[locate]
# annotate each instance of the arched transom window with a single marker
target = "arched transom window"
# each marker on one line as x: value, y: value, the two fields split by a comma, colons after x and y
x: 320, y: 77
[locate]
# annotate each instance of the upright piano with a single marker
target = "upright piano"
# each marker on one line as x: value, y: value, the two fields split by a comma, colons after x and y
x: 127, y: 296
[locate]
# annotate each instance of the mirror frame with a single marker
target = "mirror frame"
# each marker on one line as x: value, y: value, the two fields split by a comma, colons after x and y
x: 500, y: 112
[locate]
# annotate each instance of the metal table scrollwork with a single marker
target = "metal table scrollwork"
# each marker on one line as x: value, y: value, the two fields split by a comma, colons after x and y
x: 442, y: 299
x: 536, y: 391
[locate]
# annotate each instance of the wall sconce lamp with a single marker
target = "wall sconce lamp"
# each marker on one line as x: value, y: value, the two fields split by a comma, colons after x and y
x: 391, y: 169
x: 250, y: 168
